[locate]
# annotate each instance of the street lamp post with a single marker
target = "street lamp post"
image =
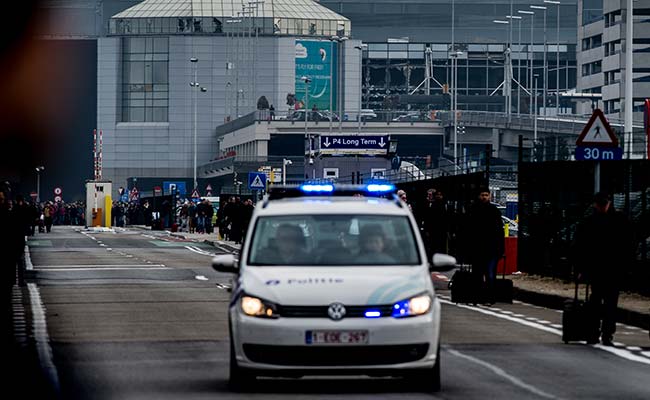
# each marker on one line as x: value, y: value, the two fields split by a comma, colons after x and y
x: 454, y: 102
x: 39, y: 169
x: 195, y: 87
x: 341, y: 83
x: 285, y: 162
x: 361, y: 48
x: 557, y: 57
x: 307, y: 81
x: 507, y: 79
x: 629, y: 85
x: 531, y: 55
x: 518, y: 18
x: 194, y: 84
x: 535, y: 107
x: 545, y: 72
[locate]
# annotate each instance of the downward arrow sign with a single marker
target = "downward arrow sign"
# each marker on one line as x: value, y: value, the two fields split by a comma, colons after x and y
x: 327, y: 141
x: 381, y: 142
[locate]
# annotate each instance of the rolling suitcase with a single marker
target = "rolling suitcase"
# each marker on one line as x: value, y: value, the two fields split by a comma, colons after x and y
x: 465, y: 286
x: 580, y: 320
x: 503, y: 288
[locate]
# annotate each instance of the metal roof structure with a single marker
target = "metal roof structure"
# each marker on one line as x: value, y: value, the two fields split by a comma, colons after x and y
x: 267, y: 17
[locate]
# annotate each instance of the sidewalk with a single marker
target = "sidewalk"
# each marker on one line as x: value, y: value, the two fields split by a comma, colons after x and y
x: 633, y: 308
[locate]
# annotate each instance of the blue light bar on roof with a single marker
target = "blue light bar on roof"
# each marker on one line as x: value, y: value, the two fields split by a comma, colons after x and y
x: 380, y: 188
x: 312, y: 188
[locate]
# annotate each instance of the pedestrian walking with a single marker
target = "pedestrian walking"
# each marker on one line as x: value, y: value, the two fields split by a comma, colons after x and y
x: 48, y: 215
x: 272, y: 112
x: 434, y: 222
x: 485, y: 241
x: 604, y: 247
x: 247, y: 214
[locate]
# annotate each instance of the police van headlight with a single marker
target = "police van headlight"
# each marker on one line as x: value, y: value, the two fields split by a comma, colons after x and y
x: 255, y: 307
x: 417, y: 305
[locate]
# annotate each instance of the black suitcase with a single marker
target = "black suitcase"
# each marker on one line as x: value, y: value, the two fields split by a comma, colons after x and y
x: 580, y: 320
x: 465, y: 286
x: 503, y: 288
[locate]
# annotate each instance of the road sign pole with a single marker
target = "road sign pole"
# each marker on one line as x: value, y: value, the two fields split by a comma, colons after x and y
x: 597, y: 177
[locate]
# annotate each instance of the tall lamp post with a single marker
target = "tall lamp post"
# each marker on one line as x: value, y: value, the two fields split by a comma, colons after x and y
x: 361, y: 48
x: 196, y: 87
x: 39, y: 169
x: 557, y: 57
x: 629, y: 85
x: 518, y: 18
x: 340, y: 77
x: 507, y: 79
x: 531, y: 55
x: 454, y: 102
x: 545, y: 71
x: 307, y: 81
x: 285, y: 162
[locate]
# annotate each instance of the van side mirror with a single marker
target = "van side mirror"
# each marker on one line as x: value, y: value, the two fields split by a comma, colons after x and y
x: 443, y: 262
x: 225, y: 263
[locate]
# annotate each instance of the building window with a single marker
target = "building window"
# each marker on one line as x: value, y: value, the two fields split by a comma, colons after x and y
x: 592, y: 11
x: 145, y: 79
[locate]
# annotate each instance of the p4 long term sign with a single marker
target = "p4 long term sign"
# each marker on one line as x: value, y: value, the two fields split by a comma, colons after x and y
x: 361, y: 145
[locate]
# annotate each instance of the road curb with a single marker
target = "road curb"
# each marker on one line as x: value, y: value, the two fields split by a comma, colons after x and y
x: 624, y: 316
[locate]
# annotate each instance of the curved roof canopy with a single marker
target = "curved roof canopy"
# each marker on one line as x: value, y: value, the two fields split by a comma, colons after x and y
x: 267, y: 17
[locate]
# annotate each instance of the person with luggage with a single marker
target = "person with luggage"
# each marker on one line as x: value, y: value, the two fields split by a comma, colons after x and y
x: 486, y: 242
x: 603, y: 249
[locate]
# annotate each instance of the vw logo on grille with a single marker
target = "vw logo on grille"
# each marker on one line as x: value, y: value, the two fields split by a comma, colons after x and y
x: 336, y: 311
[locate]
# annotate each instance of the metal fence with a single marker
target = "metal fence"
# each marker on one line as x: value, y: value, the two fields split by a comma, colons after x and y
x: 555, y: 196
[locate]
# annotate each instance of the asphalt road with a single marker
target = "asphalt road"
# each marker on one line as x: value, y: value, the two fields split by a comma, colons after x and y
x: 137, y: 315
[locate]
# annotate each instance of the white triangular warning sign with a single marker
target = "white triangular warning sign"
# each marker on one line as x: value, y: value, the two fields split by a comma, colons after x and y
x: 195, y: 194
x: 597, y: 132
x: 257, y: 183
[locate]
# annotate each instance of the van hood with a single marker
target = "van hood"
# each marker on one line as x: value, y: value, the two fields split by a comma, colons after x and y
x: 348, y: 285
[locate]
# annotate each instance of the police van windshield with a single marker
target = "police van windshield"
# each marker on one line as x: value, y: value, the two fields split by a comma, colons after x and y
x: 333, y: 240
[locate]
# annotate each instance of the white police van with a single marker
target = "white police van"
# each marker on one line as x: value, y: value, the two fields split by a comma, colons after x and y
x: 334, y: 279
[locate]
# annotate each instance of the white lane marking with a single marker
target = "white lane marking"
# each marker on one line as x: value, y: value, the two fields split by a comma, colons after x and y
x: 646, y: 353
x: 143, y: 268
x: 634, y: 348
x: 558, y: 326
x: 149, y: 236
x: 222, y: 286
x: 28, y: 260
x: 503, y: 374
x: 619, y: 352
x: 199, y: 251
x: 507, y: 317
x: 201, y: 278
x: 41, y: 336
x: 625, y: 354
x: 97, y: 266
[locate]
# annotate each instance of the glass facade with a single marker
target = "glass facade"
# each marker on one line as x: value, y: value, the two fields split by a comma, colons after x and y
x: 145, y: 79
x: 396, y: 69
x: 269, y: 17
